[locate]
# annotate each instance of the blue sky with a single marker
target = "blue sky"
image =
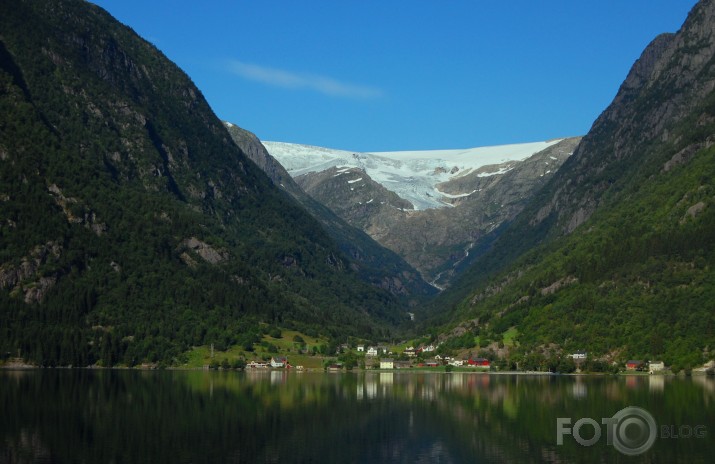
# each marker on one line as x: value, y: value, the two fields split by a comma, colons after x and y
x: 379, y: 75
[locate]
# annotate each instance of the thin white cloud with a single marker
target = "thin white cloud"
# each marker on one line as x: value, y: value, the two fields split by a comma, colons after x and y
x: 292, y: 80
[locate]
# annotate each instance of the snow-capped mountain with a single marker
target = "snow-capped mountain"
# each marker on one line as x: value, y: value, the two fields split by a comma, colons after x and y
x: 430, y: 207
x: 413, y: 175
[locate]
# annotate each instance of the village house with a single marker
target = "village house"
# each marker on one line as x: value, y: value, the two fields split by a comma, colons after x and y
x: 279, y: 361
x: 456, y: 362
x: 655, y: 366
x: 430, y: 363
x: 387, y: 364
x: 411, y: 352
x: 344, y: 347
x: 371, y: 351
x: 361, y: 348
x: 257, y: 365
x: 478, y: 362
x: 634, y: 365
x: 429, y: 348
x: 578, y: 355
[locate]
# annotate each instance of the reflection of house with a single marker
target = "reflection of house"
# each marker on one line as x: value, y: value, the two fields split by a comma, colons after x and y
x: 479, y: 362
x: 387, y: 364
x: 579, y: 355
x: 655, y: 366
x: 634, y: 365
x: 279, y: 361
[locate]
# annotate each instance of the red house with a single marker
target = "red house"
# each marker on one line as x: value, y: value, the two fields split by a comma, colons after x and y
x: 634, y: 365
x: 479, y: 362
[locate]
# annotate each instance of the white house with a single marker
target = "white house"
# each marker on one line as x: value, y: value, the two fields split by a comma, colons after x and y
x: 257, y: 365
x: 371, y: 351
x: 429, y: 348
x: 361, y: 348
x: 655, y: 366
x: 279, y: 361
x: 410, y: 352
x: 579, y: 355
x: 456, y: 362
x: 387, y: 364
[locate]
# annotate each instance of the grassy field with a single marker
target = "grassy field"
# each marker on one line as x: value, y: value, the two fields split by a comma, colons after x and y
x: 200, y: 356
x: 510, y: 336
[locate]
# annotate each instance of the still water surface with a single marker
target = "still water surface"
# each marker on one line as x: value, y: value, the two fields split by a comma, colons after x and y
x: 108, y: 416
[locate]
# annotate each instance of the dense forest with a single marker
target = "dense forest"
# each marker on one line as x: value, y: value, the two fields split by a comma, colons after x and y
x: 615, y: 255
x: 131, y: 226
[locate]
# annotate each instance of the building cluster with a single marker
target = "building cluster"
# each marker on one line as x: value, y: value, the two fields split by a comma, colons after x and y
x: 633, y: 365
x: 386, y: 362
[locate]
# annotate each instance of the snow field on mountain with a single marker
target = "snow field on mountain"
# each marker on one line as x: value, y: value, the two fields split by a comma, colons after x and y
x: 413, y: 175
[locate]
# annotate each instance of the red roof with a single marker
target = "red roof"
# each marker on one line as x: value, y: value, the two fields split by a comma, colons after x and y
x: 478, y: 362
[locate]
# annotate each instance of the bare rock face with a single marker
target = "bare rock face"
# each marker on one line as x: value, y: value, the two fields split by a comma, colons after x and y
x: 25, y: 277
x: 353, y: 195
x: 256, y: 152
x: 673, y: 75
x: 76, y: 211
x: 205, y: 251
x: 345, y: 217
x: 437, y: 241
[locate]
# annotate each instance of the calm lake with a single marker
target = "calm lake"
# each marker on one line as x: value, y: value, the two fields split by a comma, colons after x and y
x: 114, y: 416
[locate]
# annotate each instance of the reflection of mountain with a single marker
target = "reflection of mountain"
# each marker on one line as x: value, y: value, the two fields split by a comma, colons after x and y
x: 170, y: 417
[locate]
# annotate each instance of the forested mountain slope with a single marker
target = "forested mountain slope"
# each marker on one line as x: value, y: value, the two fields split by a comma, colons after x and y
x: 376, y: 264
x: 131, y: 225
x: 615, y: 255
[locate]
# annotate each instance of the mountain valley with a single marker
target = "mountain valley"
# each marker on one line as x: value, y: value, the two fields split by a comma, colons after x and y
x: 136, y: 227
x: 429, y: 207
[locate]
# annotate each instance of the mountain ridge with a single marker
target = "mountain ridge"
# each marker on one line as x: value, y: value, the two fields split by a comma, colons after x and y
x: 380, y: 266
x: 133, y: 227
x: 430, y: 207
x: 614, y: 254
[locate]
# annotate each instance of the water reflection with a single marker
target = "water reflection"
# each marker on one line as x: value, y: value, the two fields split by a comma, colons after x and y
x: 579, y: 388
x: 656, y: 383
x: 280, y: 416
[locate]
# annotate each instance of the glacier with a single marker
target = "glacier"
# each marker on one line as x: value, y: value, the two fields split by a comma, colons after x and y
x: 412, y: 175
